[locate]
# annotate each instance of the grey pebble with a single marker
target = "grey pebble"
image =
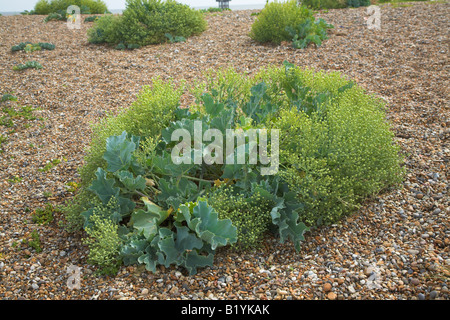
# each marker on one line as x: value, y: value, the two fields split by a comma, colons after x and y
x: 433, y: 294
x: 421, y: 296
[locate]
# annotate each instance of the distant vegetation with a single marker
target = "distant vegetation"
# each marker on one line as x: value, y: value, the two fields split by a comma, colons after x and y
x: 339, y: 4
x: 58, y: 6
x: 146, y: 22
x: 214, y: 9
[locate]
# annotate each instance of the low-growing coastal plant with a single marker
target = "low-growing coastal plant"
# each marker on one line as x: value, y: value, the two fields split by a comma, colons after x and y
x: 28, y: 65
x: 43, y: 216
x: 15, y: 179
x: 91, y: 18
x: 146, y: 22
x: 73, y: 186
x: 10, y: 114
x: 104, y: 242
x: 287, y: 21
x: 35, y: 241
x: 58, y: 16
x: 308, y: 32
x: 8, y: 97
x: 30, y: 47
x: 174, y: 39
x: 3, y: 140
x: 51, y: 164
x: 139, y: 207
x: 131, y: 46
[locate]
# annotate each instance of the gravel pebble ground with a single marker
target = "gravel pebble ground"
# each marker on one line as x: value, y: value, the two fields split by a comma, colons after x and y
x: 395, y: 247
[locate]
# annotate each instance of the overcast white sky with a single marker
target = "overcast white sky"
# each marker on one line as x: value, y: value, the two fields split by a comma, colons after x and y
x: 21, y: 5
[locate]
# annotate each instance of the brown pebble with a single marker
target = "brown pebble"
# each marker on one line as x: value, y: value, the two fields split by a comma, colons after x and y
x: 332, y: 296
x: 327, y: 287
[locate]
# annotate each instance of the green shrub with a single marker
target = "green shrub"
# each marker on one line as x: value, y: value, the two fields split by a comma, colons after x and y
x: 46, y: 7
x: 271, y: 23
x: 336, y: 149
x: 146, y: 22
x: 336, y: 145
x: 106, y: 29
x: 288, y: 22
x: 43, y: 7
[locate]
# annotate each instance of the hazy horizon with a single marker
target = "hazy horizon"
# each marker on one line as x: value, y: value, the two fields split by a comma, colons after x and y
x: 21, y: 5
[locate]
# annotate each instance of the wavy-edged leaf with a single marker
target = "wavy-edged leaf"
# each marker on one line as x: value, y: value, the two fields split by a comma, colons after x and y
x: 132, y: 250
x: 209, y: 228
x: 195, y: 260
x: 148, y: 221
x: 285, y: 216
x: 129, y: 181
x: 119, y: 151
x: 103, y: 187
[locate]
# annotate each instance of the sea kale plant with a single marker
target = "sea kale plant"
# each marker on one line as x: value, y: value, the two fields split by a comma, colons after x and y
x: 141, y: 205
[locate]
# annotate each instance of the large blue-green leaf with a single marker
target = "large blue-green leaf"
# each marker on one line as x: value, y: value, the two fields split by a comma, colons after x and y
x: 195, y: 260
x: 209, y: 228
x: 285, y: 216
x: 103, y: 187
x: 187, y: 240
x: 174, y: 246
x: 149, y: 258
x: 211, y: 107
x: 147, y: 221
x: 119, y: 152
x: 129, y: 181
x: 174, y: 192
x: 132, y: 250
x: 168, y: 253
